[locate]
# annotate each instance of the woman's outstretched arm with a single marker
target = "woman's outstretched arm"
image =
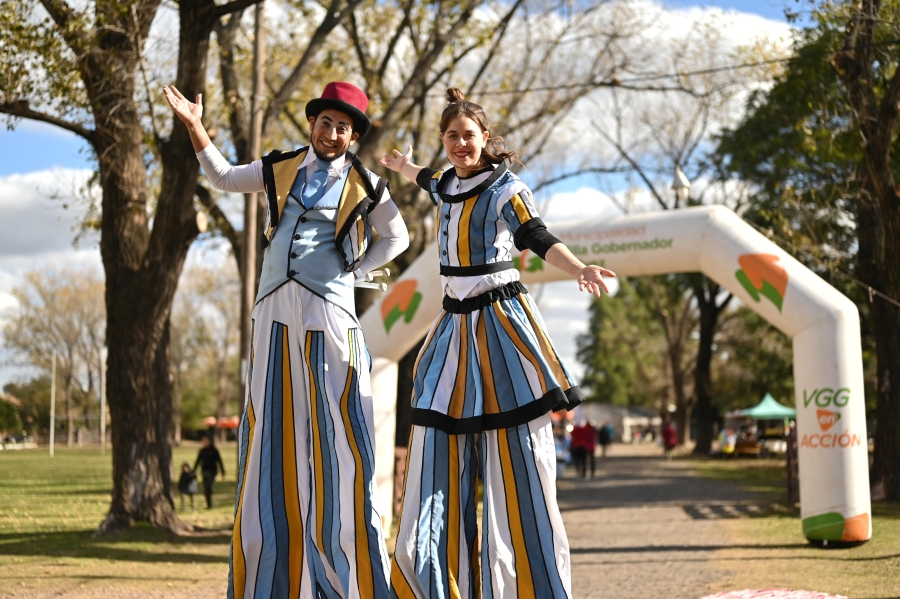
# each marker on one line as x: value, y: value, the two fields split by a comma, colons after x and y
x: 590, y: 277
x: 402, y: 163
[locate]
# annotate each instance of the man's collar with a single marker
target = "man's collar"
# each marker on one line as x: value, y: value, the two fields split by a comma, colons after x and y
x: 335, y: 167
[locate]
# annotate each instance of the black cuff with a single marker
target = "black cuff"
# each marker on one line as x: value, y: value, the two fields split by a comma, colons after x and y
x: 423, y: 179
x: 535, y: 236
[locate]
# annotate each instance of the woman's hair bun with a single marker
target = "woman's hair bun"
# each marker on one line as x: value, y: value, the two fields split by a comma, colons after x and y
x: 455, y: 95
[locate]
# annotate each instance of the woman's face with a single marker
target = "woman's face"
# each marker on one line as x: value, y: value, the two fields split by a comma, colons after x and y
x: 463, y: 141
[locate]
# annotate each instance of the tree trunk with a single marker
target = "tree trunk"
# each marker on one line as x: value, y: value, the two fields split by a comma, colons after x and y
x: 142, y: 267
x: 705, y: 292
x: 141, y: 415
x: 682, y: 401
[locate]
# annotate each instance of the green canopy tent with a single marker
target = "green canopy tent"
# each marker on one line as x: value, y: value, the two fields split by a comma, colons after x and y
x: 769, y: 409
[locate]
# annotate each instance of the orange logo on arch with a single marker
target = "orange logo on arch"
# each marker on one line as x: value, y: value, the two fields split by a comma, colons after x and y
x: 401, y: 302
x: 762, y: 276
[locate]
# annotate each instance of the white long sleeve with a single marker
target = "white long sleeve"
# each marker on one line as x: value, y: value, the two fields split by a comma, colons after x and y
x: 245, y: 178
x: 386, y: 219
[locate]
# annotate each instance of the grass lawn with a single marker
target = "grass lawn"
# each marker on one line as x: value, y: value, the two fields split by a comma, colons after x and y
x: 770, y: 550
x: 49, y: 509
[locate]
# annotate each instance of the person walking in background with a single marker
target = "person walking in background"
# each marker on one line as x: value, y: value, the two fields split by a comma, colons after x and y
x: 210, y: 462
x: 669, y: 438
x: 484, y: 384
x: 605, y: 437
x: 187, y: 484
x: 584, y: 441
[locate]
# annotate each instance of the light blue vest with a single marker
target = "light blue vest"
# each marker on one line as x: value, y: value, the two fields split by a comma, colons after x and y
x: 303, y: 248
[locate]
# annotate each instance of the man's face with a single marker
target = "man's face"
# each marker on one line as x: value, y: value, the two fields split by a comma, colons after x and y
x: 332, y: 134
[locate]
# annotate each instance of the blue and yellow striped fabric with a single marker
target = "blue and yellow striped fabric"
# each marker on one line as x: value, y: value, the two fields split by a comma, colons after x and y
x: 523, y: 552
x: 305, y: 523
x: 475, y: 228
x: 491, y: 368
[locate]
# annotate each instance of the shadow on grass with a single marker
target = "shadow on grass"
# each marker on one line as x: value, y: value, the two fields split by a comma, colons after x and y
x: 135, y: 545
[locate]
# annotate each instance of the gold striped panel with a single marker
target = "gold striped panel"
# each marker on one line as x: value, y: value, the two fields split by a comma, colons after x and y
x: 399, y: 584
x: 291, y: 484
x: 524, y: 581
x: 285, y: 173
x: 520, y: 345
x: 463, y: 248
x: 521, y: 209
x: 458, y: 397
x: 240, y: 561
x: 363, y: 559
x: 491, y: 405
x: 353, y: 193
x: 546, y: 347
x: 316, y: 443
x: 453, y: 518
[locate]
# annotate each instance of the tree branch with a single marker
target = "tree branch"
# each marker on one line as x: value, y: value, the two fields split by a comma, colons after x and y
x: 234, y: 6
x: 20, y: 108
x: 637, y: 167
x: 221, y: 221
x: 597, y: 170
x: 278, y: 103
x: 64, y: 17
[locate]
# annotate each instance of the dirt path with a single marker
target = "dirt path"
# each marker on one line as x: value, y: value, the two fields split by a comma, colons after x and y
x: 646, y: 528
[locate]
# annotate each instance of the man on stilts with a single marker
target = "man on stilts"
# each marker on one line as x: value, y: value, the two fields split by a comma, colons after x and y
x: 305, y: 521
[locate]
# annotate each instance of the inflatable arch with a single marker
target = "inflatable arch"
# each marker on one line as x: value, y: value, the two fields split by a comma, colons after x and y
x: 823, y: 324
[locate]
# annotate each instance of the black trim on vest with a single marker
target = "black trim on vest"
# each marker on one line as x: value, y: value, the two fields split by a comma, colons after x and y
x: 483, y: 300
x: 362, y: 210
x: 555, y: 399
x: 367, y: 181
x: 269, y: 178
x: 499, y: 171
x: 476, y: 270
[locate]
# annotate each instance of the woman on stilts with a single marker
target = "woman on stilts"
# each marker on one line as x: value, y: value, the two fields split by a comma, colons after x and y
x: 485, y: 381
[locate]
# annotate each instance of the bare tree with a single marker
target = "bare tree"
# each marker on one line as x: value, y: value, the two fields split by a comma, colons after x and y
x: 60, y: 312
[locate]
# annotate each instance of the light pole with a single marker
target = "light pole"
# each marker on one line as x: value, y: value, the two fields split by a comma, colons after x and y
x: 248, y: 282
x: 52, y: 403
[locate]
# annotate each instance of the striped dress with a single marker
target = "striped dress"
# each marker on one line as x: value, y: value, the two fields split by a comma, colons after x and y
x: 484, y: 384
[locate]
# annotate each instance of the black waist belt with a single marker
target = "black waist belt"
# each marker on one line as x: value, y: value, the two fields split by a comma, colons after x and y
x: 474, y: 271
x: 482, y: 300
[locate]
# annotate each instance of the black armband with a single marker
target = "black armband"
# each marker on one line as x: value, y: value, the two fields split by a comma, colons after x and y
x: 423, y: 179
x: 535, y: 236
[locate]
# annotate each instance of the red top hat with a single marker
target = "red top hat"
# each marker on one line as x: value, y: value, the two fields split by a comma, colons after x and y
x: 345, y: 97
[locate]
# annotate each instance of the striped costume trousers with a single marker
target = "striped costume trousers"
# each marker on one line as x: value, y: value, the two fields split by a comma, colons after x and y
x: 305, y: 524
x: 523, y: 551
